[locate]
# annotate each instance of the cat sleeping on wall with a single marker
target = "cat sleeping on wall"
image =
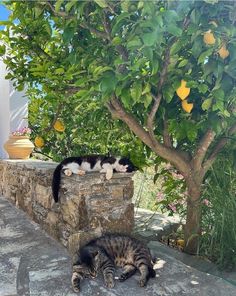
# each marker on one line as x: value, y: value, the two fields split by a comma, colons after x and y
x: 105, y: 253
x: 92, y: 163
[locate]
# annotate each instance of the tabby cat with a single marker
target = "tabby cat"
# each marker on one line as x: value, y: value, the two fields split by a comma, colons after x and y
x: 109, y: 251
x: 80, y: 165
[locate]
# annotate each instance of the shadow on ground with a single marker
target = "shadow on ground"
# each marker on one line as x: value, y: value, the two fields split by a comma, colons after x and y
x: 33, y: 264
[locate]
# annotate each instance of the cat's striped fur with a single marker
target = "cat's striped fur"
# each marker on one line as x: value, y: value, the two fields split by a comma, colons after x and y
x: 109, y: 251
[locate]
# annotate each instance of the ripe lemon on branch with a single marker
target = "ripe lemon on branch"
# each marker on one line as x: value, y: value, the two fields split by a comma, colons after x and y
x: 59, y: 126
x: 183, y: 91
x: 209, y: 38
x: 39, y: 142
x: 223, y: 52
x: 187, y: 106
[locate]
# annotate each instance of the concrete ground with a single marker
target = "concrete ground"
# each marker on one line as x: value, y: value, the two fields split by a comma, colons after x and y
x: 33, y: 264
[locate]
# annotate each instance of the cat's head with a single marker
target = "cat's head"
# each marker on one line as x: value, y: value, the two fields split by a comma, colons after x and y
x: 125, y: 165
x: 87, y: 263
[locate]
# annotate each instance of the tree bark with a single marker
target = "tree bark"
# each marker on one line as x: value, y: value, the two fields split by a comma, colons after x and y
x: 192, y: 230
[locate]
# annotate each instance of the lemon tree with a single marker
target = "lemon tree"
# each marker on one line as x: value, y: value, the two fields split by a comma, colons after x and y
x: 152, y: 78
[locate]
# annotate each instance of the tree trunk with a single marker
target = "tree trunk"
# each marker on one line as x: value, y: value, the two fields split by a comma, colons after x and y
x: 192, y: 230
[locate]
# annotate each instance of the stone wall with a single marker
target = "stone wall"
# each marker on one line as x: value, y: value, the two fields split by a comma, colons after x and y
x: 89, y: 205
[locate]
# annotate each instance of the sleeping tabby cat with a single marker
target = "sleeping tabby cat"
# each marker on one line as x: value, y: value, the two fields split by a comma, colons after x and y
x: 80, y: 165
x: 108, y: 251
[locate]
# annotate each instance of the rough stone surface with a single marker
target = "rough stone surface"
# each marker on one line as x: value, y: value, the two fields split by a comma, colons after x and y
x: 34, y: 264
x: 88, y: 204
x: 153, y: 225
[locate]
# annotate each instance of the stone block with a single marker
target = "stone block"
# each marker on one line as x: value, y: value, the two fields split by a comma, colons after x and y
x: 89, y: 205
x: 43, y: 196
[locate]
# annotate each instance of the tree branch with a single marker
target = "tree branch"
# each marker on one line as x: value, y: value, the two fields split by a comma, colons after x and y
x: 170, y: 154
x: 202, y: 148
x: 96, y: 32
x: 166, y: 136
x: 157, y: 99
x: 218, y: 147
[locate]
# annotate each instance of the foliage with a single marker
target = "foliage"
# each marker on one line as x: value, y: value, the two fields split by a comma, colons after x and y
x: 83, y: 58
x: 218, y: 241
x: 70, y: 54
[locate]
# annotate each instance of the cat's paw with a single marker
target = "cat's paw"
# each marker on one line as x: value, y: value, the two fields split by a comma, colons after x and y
x: 109, y: 174
x: 142, y: 282
x: 75, y: 280
x: 76, y: 289
x: 81, y: 172
x: 68, y: 172
x: 109, y: 283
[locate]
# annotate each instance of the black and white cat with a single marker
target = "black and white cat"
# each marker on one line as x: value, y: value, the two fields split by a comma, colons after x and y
x: 90, y: 163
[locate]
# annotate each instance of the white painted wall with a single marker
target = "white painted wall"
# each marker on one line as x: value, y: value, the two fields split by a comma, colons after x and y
x: 13, y: 109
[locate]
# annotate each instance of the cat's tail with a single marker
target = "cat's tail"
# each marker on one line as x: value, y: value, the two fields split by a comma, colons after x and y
x: 56, y: 180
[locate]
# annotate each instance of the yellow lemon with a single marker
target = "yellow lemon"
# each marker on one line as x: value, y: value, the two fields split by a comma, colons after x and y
x: 187, y: 106
x: 39, y: 142
x: 183, y: 91
x: 209, y: 38
x: 59, y: 126
x: 223, y: 52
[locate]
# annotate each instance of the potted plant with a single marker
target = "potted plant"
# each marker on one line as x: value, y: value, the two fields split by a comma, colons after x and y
x: 19, y: 146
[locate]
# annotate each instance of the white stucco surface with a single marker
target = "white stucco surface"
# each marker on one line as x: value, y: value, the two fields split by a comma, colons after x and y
x: 13, y: 109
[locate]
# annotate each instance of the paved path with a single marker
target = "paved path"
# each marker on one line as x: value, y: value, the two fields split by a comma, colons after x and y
x: 33, y: 264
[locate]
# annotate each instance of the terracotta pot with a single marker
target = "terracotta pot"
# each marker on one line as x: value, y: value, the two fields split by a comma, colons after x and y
x: 18, y: 147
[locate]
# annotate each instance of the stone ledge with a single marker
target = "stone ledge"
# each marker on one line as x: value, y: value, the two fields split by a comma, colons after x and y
x: 89, y: 205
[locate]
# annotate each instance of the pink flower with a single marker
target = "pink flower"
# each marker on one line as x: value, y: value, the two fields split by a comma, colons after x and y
x: 160, y: 196
x: 206, y: 202
x: 177, y: 176
x: 23, y: 131
x: 172, y: 206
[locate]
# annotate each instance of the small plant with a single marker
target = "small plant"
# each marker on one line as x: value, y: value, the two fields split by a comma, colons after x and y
x: 23, y: 131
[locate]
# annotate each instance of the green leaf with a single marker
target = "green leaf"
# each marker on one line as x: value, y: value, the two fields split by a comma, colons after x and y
x: 82, y: 93
x: 99, y: 70
x: 125, y: 5
x: 174, y: 30
x: 204, y: 55
x: 203, y: 88
x: 68, y: 34
x: 136, y: 91
x: 147, y: 100
x: 59, y: 71
x: 183, y: 63
x: 108, y: 83
x: 119, y: 21
x: 101, y: 3
x: 218, y: 94
x: 149, y: 39
x: 155, y: 66
x: 2, y: 50
x: 69, y: 5
x: 134, y: 43
x: 146, y: 89
x: 58, y: 5
x: 116, y: 40
x: 206, y: 104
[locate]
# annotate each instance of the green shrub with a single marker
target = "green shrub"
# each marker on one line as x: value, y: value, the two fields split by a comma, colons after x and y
x: 218, y: 241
